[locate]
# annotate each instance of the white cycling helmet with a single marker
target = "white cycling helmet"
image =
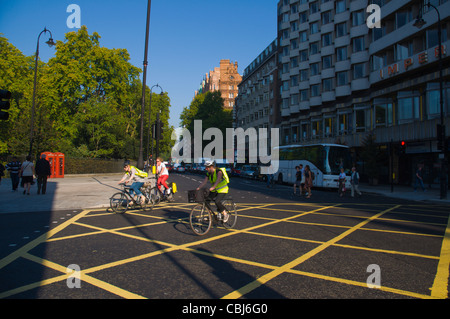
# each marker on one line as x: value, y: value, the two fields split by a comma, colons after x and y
x: 209, y: 163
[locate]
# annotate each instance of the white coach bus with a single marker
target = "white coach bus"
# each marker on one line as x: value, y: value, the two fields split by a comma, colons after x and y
x: 325, y: 160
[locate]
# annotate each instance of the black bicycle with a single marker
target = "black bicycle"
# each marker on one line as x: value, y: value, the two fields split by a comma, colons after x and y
x: 202, y: 216
x: 122, y: 201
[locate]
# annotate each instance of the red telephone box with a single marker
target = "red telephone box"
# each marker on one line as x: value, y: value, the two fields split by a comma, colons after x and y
x: 56, y: 161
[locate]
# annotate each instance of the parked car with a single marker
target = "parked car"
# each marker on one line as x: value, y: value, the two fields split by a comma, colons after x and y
x: 236, y: 170
x: 180, y: 169
x: 250, y: 171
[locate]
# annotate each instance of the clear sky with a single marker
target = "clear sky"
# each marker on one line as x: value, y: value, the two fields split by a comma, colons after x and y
x: 187, y: 37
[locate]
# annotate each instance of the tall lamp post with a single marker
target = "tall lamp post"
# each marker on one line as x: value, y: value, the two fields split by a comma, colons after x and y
x: 50, y: 43
x: 149, y: 119
x: 140, y: 162
x: 419, y: 23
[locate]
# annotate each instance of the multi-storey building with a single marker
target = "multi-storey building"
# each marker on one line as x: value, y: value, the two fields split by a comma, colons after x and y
x: 225, y: 79
x: 340, y: 79
x: 256, y: 104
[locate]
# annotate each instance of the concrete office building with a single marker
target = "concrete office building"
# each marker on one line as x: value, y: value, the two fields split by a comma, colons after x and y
x: 340, y: 80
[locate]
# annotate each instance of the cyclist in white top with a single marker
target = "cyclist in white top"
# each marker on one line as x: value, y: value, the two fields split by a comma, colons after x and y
x: 163, y: 174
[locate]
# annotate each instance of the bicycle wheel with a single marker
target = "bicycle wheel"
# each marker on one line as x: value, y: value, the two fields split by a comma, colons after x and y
x: 148, y: 203
x: 230, y: 206
x: 200, y: 220
x: 119, y: 203
x: 155, y: 195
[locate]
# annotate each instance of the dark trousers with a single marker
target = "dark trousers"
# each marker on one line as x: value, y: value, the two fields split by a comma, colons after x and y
x: 42, y: 182
x: 217, y: 198
x: 14, y: 180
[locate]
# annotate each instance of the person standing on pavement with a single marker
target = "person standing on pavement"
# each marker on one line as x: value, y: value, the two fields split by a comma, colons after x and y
x: 342, y: 178
x: 43, y: 172
x: 419, y: 179
x: 308, y: 181
x: 298, y: 180
x: 354, y: 182
x: 27, y: 173
x: 14, y: 168
x: 2, y: 172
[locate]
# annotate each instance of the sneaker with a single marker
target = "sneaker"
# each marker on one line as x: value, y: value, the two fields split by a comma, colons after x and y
x: 226, y: 216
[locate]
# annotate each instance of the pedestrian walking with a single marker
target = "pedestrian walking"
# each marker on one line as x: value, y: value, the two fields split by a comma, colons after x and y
x: 354, y: 182
x: 419, y: 179
x: 43, y: 172
x: 308, y: 180
x: 14, y: 168
x: 302, y: 182
x: 27, y: 173
x: 342, y: 178
x: 2, y: 172
x: 298, y: 180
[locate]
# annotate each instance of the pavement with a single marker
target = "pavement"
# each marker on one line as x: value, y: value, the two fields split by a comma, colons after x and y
x: 94, y: 191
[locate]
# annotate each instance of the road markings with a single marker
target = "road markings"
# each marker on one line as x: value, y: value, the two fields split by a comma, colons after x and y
x: 275, y: 273
x: 440, y: 284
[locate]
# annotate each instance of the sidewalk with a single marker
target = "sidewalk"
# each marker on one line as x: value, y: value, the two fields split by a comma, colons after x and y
x: 406, y: 192
x: 93, y: 191
x: 68, y: 193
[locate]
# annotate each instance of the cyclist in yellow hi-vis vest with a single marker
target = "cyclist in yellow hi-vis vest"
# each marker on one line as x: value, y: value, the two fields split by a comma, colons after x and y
x: 219, y: 180
x: 135, y: 175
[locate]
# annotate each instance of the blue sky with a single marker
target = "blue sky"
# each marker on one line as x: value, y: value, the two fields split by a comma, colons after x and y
x: 187, y: 37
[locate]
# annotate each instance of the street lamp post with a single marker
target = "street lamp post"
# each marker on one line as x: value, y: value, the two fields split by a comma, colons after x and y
x: 140, y: 162
x: 50, y: 43
x: 419, y: 23
x: 149, y: 120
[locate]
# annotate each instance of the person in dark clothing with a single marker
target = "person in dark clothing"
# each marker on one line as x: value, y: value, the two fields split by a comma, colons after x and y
x: 42, y: 172
x: 14, y: 168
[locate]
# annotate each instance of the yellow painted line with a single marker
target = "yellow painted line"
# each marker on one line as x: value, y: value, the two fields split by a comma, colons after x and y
x: 440, y: 284
x: 359, y: 284
x: 41, y: 239
x: 269, y: 276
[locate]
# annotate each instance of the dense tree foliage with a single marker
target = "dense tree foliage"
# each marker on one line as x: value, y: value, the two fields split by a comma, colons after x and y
x: 88, y: 101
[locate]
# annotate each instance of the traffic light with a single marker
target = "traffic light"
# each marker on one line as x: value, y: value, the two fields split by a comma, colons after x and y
x: 4, y: 105
x: 402, y: 147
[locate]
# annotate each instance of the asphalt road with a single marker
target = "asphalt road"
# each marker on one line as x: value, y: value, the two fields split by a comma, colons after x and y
x: 283, y: 246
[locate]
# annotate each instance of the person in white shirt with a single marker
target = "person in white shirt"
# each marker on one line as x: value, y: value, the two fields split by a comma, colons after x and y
x: 163, y: 174
x: 27, y: 172
x: 342, y: 178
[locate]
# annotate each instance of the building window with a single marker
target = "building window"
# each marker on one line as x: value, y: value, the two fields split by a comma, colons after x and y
x: 341, y: 29
x: 315, y: 90
x: 303, y: 55
x: 314, y: 48
x: 303, y: 95
x: 303, y: 36
x: 345, y: 123
x: 305, y: 131
x: 362, y: 119
x: 342, y: 78
x: 294, y: 80
x: 327, y: 39
x: 329, y: 126
x: 326, y: 17
x: 433, y: 102
x: 304, y: 75
x: 314, y: 7
x: 285, y: 103
x: 358, y: 71
x: 341, y: 6
x: 303, y: 17
x: 327, y: 85
x: 314, y: 69
x: 327, y: 62
x: 317, y: 128
x: 358, y: 44
x: 358, y: 18
x: 383, y: 114
x: 408, y: 106
x: 341, y: 54
x: 294, y: 99
x: 314, y: 27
